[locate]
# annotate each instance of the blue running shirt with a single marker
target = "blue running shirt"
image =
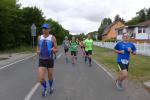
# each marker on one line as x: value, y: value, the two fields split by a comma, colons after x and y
x: 46, y: 45
x: 124, y: 46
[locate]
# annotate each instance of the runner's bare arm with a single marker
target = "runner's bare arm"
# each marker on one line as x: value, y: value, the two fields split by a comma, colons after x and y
x: 55, y: 48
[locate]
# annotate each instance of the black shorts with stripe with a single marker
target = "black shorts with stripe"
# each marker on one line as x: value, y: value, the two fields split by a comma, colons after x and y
x: 123, y: 66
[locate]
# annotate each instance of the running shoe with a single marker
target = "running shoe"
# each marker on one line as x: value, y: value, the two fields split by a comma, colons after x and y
x: 44, y: 93
x: 51, y: 90
x: 119, y: 85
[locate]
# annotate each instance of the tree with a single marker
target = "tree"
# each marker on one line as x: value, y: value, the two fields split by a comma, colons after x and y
x: 104, y: 23
x: 7, y: 10
x: 93, y: 34
x: 148, y: 14
x: 117, y: 17
x: 133, y: 21
x: 80, y: 36
x: 57, y: 30
x: 30, y: 15
x: 142, y: 15
x: 15, y: 23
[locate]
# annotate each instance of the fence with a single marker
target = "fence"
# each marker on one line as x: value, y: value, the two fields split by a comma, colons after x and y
x: 142, y: 48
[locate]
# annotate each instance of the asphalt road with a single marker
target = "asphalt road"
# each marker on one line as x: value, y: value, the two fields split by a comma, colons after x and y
x: 78, y: 82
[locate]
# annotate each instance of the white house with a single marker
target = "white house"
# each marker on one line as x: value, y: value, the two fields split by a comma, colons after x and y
x: 138, y: 32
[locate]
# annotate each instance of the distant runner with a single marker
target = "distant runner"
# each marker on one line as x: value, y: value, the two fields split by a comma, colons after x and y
x: 88, y: 43
x: 73, y: 49
x: 82, y: 48
x: 66, y: 45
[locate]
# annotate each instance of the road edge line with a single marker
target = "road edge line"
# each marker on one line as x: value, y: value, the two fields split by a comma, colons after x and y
x: 104, y: 69
x: 5, y: 66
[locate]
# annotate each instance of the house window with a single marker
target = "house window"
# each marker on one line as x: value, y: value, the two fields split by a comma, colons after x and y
x: 132, y: 35
x: 140, y: 30
x: 119, y: 32
x: 143, y: 30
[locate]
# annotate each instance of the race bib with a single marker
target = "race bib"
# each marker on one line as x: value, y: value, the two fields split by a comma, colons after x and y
x: 124, y: 61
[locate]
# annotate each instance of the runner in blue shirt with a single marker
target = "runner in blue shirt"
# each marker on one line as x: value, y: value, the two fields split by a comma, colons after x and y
x: 123, y: 50
x: 47, y: 45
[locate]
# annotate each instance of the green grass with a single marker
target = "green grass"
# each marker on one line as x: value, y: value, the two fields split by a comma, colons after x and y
x: 139, y: 69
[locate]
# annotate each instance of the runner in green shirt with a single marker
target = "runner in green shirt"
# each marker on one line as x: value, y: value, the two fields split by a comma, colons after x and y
x: 88, y: 43
x: 73, y: 49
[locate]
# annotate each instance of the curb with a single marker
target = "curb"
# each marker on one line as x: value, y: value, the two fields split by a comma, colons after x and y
x: 147, y: 85
x: 3, y: 58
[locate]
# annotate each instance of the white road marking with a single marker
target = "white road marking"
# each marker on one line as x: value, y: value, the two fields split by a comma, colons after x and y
x: 30, y: 94
x: 59, y: 55
x: 28, y: 97
x: 16, y: 62
x: 99, y: 66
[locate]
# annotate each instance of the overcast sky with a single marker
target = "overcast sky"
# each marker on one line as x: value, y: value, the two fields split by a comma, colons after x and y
x: 83, y: 16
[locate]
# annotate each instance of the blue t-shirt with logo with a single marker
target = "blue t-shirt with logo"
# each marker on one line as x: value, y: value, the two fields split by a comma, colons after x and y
x: 124, y: 46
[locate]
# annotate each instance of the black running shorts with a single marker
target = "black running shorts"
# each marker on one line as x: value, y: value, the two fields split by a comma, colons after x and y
x: 66, y: 50
x: 89, y: 52
x: 123, y: 66
x: 73, y: 53
x: 48, y: 63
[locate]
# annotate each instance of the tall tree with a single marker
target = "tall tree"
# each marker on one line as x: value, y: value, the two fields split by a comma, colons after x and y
x: 30, y: 15
x: 15, y: 23
x: 117, y: 17
x: 142, y: 15
x: 148, y: 14
x: 104, y: 23
x: 7, y: 10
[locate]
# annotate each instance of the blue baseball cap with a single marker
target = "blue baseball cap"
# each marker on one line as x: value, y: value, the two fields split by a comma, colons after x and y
x: 46, y: 25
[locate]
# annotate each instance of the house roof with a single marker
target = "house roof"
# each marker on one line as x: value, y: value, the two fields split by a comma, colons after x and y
x: 107, y: 28
x: 121, y: 28
x: 146, y: 23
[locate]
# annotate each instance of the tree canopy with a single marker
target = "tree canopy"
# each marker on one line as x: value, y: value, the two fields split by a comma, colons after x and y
x: 104, y: 23
x: 15, y: 23
x: 141, y: 16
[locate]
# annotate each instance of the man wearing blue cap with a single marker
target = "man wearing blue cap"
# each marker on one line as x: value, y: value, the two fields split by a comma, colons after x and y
x: 47, y: 45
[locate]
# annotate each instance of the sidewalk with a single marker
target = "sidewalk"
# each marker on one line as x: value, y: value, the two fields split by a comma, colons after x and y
x: 5, y: 59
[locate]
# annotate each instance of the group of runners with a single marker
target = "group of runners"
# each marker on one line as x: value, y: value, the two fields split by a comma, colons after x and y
x: 74, y: 45
x: 47, y: 47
